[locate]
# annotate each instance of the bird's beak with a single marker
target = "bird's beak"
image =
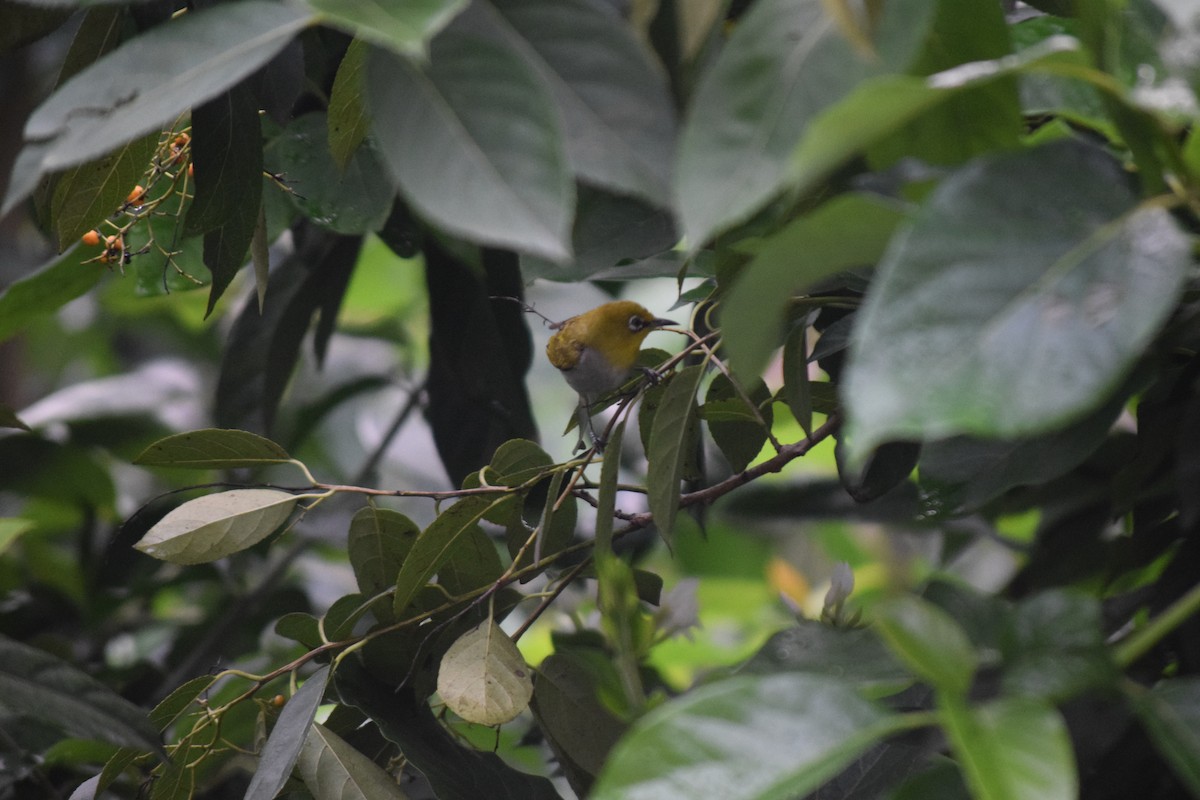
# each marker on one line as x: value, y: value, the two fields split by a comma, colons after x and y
x: 658, y: 323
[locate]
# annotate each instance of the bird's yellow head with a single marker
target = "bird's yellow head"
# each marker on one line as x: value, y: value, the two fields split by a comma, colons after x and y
x: 597, y: 349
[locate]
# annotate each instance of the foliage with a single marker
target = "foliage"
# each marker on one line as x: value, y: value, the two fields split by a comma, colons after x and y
x: 941, y: 362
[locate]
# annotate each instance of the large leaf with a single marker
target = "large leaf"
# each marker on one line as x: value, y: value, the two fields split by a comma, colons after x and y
x: 1016, y: 301
x: 1012, y: 749
x: 86, y: 195
x: 284, y: 744
x: 213, y: 448
x: 750, y: 737
x: 404, y: 27
x: 483, y: 677
x: 377, y: 544
x: 473, y: 143
x: 616, y: 108
x: 149, y: 82
x: 217, y: 525
x: 39, y: 686
x: 785, y: 62
x: 333, y: 770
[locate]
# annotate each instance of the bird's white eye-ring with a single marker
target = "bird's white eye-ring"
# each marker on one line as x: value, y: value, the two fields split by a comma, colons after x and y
x: 636, y: 323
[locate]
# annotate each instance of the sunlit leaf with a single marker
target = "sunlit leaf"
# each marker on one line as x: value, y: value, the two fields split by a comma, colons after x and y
x: 217, y: 525
x: 929, y: 641
x: 347, y: 115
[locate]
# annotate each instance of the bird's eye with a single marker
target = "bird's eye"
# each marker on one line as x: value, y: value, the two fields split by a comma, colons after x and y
x: 636, y: 323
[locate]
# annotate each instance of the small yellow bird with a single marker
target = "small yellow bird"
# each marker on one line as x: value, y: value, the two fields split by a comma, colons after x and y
x: 596, y: 351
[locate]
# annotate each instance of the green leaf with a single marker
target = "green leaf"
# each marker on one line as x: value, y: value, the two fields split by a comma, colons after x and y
x: 333, y: 770
x: 86, y: 195
x: 379, y: 541
x: 483, y: 677
x: 11, y: 529
x: 404, y: 27
x: 854, y: 654
x: 733, y: 424
x: 606, y: 495
x: 213, y: 448
x: 1170, y: 713
x: 353, y: 198
x: 849, y: 231
x: 286, y: 741
x: 149, y: 82
x: 797, y: 388
x: 228, y: 156
x: 929, y: 641
x: 435, y: 545
x: 800, y: 731
x: 1011, y: 749
x: 217, y: 525
x: 580, y: 729
x: 669, y: 444
x: 517, y: 461
x: 20, y: 25
x: 783, y: 64
x: 37, y: 685
x: 44, y: 291
x: 1016, y: 301
x: 1057, y: 649
x: 614, y: 100
x: 473, y: 143
x: 347, y: 114
x: 173, y: 705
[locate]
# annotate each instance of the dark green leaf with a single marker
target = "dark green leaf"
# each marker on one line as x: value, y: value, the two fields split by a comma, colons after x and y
x: 606, y: 496
x: 806, y: 728
x: 435, y: 545
x: 150, y: 81
x: 518, y: 461
x: 616, y: 109
x: 379, y: 541
x: 454, y: 772
x: 227, y: 154
x: 1015, y: 302
x: 173, y: 705
x: 20, y: 24
x: 849, y: 231
x: 300, y: 627
x: 886, y: 468
x: 854, y: 654
x: 473, y: 143
x: 283, y: 746
x: 403, y: 27
x: 1057, y: 650
x: 929, y: 641
x: 9, y: 419
x: 797, y: 388
x: 669, y: 446
x: 1170, y: 713
x: 734, y: 426
x: 473, y: 563
x: 46, y: 290
x: 580, y: 729
x: 213, y: 448
x: 355, y: 197
x: 1011, y: 749
x: 40, y: 686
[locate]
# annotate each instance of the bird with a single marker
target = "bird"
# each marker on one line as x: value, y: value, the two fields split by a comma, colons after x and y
x: 596, y: 350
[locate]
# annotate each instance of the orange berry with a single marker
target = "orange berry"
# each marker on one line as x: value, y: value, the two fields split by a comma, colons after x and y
x: 103, y: 257
x: 91, y: 238
x: 180, y: 141
x: 191, y: 170
x: 278, y: 701
x: 136, y: 195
